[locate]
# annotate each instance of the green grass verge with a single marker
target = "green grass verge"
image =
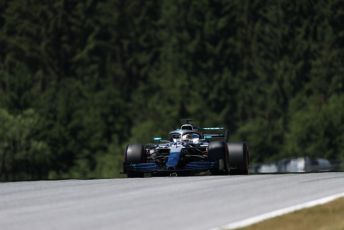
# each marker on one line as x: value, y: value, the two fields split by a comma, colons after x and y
x: 321, y: 217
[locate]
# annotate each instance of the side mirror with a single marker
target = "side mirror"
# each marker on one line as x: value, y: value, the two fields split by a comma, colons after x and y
x: 157, y: 139
x: 208, y: 137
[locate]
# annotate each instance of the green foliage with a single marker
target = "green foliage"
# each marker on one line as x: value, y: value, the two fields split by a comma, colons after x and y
x: 22, y: 154
x: 317, y: 130
x: 81, y: 79
x: 263, y: 136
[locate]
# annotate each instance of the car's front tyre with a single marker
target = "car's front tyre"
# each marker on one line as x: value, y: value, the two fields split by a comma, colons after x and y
x: 217, y: 153
x: 134, y: 154
x: 238, y: 157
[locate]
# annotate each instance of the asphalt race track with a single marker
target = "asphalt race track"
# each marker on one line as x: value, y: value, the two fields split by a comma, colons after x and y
x: 202, y: 202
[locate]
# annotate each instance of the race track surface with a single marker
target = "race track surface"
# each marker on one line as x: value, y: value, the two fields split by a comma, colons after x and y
x: 202, y: 202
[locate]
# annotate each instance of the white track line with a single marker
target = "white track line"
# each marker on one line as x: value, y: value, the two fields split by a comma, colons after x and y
x: 255, y: 219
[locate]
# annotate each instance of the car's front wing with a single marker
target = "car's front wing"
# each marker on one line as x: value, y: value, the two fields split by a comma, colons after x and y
x: 153, y: 167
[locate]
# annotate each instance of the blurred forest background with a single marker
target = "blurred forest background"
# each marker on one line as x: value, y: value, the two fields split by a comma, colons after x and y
x: 81, y: 79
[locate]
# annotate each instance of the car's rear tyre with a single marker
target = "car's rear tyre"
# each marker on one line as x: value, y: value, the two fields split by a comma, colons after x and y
x: 134, y: 154
x: 217, y: 152
x: 238, y: 157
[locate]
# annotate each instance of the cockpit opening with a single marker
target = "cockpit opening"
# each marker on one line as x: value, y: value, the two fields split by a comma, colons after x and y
x: 187, y: 127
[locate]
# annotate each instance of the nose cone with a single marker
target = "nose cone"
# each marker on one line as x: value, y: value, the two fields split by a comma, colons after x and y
x: 174, y: 157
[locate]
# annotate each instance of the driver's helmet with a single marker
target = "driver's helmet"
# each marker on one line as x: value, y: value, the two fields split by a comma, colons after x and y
x: 191, y: 137
x: 187, y: 137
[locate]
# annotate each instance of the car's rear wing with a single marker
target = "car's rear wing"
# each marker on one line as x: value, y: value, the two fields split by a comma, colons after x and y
x: 215, y: 133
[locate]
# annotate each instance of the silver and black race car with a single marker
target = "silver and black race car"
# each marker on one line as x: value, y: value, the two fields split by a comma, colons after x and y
x: 188, y: 150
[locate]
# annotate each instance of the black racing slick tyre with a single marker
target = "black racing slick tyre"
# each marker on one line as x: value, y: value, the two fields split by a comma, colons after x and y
x: 134, y: 154
x: 217, y: 152
x: 238, y: 157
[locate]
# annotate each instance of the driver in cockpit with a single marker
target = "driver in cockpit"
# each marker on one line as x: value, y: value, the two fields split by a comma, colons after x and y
x: 191, y: 137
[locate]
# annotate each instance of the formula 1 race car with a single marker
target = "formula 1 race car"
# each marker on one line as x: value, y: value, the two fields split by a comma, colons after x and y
x: 188, y: 150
